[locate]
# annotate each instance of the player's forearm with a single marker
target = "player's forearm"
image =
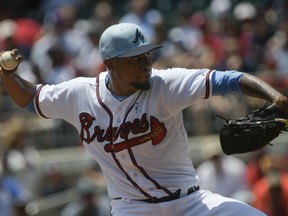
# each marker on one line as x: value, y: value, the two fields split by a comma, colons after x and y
x: 20, y: 90
x: 255, y: 87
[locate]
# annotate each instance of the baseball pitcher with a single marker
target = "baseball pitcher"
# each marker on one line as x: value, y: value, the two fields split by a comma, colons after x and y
x: 129, y: 118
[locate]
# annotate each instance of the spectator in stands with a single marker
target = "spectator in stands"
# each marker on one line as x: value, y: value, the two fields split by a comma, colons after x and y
x: 13, y: 196
x: 253, y: 33
x: 61, y: 69
x: 270, y: 193
x: 140, y: 13
x: 104, y: 14
x: 275, y: 58
x: 90, y: 203
x: 185, y: 34
x: 221, y: 174
x: 93, y: 64
x: 20, y: 158
x: 20, y: 33
x: 53, y: 180
x: 253, y: 171
x: 60, y: 29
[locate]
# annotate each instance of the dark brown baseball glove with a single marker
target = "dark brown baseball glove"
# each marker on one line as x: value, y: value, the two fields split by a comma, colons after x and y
x: 252, y: 131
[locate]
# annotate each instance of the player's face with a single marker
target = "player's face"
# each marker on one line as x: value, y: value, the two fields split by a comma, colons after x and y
x: 136, y: 70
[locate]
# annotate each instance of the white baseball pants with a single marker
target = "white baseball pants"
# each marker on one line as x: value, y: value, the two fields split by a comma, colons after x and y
x: 199, y: 203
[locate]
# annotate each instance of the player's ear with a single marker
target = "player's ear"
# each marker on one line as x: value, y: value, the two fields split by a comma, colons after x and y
x: 109, y: 64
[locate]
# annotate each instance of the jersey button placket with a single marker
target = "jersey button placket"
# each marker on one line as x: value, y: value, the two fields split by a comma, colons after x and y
x: 118, y: 111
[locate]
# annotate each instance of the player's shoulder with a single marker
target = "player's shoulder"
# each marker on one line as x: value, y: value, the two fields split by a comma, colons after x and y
x: 176, y: 73
x: 80, y: 81
x: 176, y: 70
x: 77, y: 84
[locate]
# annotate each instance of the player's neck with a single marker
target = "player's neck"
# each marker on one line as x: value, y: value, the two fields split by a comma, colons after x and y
x: 119, y: 89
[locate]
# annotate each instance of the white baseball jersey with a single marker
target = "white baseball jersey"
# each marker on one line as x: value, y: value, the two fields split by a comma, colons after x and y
x: 151, y: 157
x: 139, y: 142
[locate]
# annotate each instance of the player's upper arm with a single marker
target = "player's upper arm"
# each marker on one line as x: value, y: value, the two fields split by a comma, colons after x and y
x: 224, y: 82
x: 180, y: 87
x: 59, y: 101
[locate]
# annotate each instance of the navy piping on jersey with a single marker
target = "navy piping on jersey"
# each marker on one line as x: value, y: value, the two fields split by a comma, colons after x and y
x: 111, y: 141
x: 207, y: 85
x: 37, y: 102
x: 141, y: 169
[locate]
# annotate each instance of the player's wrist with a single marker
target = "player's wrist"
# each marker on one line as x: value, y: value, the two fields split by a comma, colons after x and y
x: 5, y: 74
x: 281, y: 103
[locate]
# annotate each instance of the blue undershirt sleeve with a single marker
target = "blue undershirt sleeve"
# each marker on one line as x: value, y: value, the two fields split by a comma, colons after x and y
x: 30, y: 107
x: 224, y: 82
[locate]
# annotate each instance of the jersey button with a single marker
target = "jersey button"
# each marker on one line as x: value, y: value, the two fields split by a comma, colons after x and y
x: 135, y: 174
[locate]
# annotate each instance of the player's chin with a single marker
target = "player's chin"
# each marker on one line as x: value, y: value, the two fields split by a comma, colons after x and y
x: 142, y: 86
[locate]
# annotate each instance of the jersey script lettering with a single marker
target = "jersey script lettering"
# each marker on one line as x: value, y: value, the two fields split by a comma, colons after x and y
x: 156, y: 134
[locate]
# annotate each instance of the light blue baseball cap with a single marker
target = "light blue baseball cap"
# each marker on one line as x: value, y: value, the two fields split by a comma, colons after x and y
x: 124, y: 40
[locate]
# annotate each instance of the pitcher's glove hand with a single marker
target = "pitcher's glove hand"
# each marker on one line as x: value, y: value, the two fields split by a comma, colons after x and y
x: 253, y: 131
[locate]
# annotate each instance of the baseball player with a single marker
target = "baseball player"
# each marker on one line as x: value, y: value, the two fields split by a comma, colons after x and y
x: 129, y: 119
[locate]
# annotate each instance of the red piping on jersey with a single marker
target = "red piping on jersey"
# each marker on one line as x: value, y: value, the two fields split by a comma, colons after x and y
x: 128, y: 177
x: 207, y: 85
x: 37, y: 102
x: 113, y: 153
x: 141, y: 169
x: 146, y: 175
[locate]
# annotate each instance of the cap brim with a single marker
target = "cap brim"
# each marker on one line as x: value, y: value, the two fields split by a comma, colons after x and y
x: 139, y: 50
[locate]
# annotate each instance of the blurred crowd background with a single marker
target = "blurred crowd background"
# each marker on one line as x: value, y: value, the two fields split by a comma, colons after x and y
x: 43, y: 166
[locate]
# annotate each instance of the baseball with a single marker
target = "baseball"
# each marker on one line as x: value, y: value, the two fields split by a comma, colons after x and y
x: 8, y: 61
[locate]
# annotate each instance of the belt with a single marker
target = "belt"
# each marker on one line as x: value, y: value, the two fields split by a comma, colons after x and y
x: 175, y: 195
